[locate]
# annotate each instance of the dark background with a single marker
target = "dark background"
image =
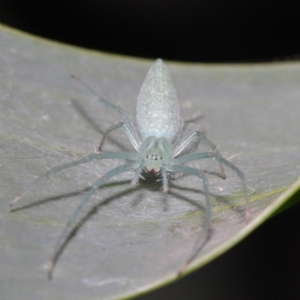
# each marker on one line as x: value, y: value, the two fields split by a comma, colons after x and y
x: 192, y: 30
x: 267, y: 264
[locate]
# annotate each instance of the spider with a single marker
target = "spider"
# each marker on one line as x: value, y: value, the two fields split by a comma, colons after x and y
x: 159, y: 150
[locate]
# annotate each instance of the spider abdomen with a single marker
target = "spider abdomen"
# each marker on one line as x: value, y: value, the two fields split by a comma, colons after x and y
x: 158, y: 107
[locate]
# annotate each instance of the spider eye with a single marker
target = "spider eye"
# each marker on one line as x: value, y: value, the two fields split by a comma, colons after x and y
x: 154, y: 157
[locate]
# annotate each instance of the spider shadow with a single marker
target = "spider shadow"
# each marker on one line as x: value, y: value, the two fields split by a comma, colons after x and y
x: 97, y: 207
x: 220, y: 199
x: 66, y: 195
x: 151, y: 185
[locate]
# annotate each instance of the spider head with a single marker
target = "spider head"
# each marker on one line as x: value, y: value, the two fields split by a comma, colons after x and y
x: 155, y: 151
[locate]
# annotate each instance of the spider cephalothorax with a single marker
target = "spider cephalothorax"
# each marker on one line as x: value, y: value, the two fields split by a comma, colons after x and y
x: 155, y: 152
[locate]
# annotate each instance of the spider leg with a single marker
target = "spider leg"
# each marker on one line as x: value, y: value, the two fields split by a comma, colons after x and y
x: 130, y: 131
x: 204, y: 234
x: 72, y: 220
x: 104, y: 155
x: 216, y: 154
x: 138, y: 172
x: 201, y: 137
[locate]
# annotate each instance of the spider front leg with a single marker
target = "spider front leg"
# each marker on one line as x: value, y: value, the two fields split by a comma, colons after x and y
x: 105, y: 155
x: 72, y: 220
x: 204, y: 235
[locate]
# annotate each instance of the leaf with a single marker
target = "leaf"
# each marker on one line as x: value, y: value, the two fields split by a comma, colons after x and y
x: 130, y: 240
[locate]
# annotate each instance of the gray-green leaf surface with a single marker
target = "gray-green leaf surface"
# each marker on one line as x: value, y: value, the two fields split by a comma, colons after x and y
x: 132, y: 239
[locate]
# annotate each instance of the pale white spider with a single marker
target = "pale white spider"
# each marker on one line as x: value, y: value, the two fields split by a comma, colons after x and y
x: 159, y: 150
